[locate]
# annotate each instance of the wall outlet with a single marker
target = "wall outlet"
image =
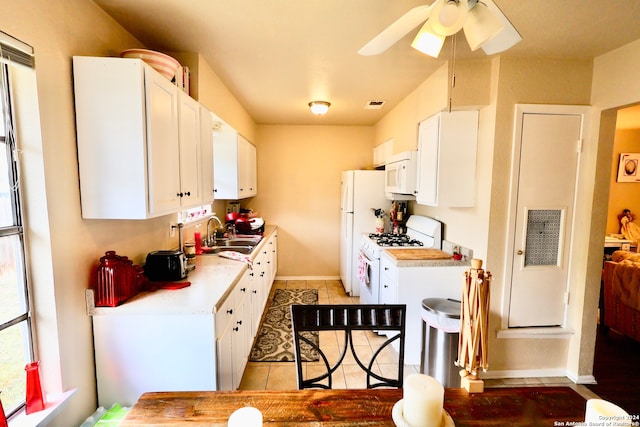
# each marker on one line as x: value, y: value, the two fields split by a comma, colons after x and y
x: 172, y: 231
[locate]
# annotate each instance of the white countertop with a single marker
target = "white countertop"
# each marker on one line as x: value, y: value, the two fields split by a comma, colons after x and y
x: 211, y: 281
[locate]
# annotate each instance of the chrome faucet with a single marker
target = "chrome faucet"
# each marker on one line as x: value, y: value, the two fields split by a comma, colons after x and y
x: 213, y: 218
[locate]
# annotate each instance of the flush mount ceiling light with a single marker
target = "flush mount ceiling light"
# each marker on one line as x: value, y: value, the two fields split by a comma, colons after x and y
x: 484, y: 25
x: 319, y: 108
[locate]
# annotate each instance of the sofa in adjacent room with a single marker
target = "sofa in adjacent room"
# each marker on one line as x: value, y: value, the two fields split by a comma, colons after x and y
x: 621, y: 294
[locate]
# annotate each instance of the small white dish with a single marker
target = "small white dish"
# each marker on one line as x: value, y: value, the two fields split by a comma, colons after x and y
x: 398, y: 418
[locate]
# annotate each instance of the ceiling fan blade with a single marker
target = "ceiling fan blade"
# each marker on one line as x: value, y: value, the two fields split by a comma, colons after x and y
x: 506, y: 38
x: 394, y: 32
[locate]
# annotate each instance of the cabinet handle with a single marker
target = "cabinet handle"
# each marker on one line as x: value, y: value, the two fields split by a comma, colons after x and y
x: 230, y: 311
x: 239, y: 322
x: 188, y: 193
x: 236, y: 329
x: 243, y: 289
x: 250, y: 274
x: 386, y: 269
x: 179, y: 194
x: 254, y: 291
x: 385, y: 286
x: 215, y: 190
x: 262, y: 274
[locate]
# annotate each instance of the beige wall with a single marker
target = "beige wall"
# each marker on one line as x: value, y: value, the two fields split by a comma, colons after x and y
x: 299, y: 190
x: 623, y: 195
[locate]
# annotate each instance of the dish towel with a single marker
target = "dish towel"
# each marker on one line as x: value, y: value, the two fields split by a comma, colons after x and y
x: 363, y: 269
x: 235, y: 255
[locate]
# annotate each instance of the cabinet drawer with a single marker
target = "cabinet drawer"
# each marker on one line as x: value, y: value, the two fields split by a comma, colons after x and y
x: 388, y: 269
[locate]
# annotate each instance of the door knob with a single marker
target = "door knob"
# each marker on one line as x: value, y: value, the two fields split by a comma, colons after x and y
x: 520, y: 252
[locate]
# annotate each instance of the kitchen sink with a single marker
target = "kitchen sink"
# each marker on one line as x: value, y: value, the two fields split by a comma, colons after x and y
x: 248, y: 241
x: 217, y: 249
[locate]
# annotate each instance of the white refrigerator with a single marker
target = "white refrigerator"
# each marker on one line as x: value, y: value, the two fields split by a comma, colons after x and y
x: 361, y: 190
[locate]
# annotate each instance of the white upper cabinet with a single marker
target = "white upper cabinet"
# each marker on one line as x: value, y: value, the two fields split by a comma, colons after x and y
x: 234, y: 166
x: 138, y: 140
x: 447, y: 144
x: 382, y: 152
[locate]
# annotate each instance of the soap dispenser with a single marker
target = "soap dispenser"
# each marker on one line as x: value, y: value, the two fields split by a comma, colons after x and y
x: 198, y: 238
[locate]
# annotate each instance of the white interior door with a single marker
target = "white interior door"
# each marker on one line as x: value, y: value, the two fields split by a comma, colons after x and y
x: 546, y: 183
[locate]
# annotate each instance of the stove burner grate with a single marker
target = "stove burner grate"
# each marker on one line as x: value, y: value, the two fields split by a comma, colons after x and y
x: 390, y: 239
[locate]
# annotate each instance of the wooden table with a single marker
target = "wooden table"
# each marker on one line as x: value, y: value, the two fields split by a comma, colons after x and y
x: 523, y: 406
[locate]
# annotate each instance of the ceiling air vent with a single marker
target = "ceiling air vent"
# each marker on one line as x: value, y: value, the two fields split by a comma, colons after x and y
x: 374, y: 105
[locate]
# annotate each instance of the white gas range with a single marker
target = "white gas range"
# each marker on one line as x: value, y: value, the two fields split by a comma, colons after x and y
x: 421, y: 232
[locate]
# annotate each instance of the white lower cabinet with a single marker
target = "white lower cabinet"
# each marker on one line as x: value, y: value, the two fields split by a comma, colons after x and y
x: 235, y: 342
x: 410, y: 285
x: 141, y: 347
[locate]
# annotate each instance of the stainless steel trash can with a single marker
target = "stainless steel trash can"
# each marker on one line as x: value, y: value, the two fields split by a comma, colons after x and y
x: 440, y: 333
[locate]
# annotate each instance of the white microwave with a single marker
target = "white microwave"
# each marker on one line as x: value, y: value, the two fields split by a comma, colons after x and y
x: 400, y: 173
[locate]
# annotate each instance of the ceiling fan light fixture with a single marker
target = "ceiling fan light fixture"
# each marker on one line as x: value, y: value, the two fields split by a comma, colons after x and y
x: 448, y: 16
x: 428, y: 41
x: 319, y: 108
x: 481, y: 26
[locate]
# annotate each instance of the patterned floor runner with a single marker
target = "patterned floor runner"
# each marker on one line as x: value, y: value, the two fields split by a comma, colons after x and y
x: 274, y: 342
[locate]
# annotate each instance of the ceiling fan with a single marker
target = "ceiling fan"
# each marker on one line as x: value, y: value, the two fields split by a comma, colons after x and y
x: 483, y: 23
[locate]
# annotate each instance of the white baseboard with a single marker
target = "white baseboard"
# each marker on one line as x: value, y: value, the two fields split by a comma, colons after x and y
x: 525, y: 373
x: 307, y: 278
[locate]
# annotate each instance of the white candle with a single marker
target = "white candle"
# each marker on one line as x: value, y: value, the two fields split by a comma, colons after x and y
x: 245, y: 417
x: 423, y: 399
x: 602, y: 413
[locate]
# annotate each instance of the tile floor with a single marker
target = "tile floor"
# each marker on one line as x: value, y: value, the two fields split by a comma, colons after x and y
x: 282, y: 375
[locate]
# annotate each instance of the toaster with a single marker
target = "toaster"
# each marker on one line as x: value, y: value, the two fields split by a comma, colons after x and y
x: 165, y: 265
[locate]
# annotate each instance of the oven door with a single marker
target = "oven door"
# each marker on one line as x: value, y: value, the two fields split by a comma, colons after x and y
x: 369, y: 277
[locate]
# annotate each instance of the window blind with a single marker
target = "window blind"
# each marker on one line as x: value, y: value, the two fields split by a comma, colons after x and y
x: 14, y: 51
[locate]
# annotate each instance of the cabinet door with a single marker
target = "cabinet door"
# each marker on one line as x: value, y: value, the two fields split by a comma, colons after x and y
x: 190, y: 166
x: 428, y: 135
x: 273, y: 258
x: 225, y: 164
x: 247, y: 173
x: 162, y: 144
x: 447, y: 144
x: 206, y: 155
x: 241, y: 340
x: 224, y: 349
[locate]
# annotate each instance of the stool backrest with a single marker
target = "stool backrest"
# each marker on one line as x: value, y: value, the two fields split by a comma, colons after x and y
x: 379, y: 318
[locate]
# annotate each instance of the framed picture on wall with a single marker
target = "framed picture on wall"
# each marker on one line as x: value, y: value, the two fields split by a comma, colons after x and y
x: 628, y: 167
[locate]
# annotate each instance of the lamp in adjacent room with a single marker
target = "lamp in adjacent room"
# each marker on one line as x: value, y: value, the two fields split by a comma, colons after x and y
x: 319, y: 108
